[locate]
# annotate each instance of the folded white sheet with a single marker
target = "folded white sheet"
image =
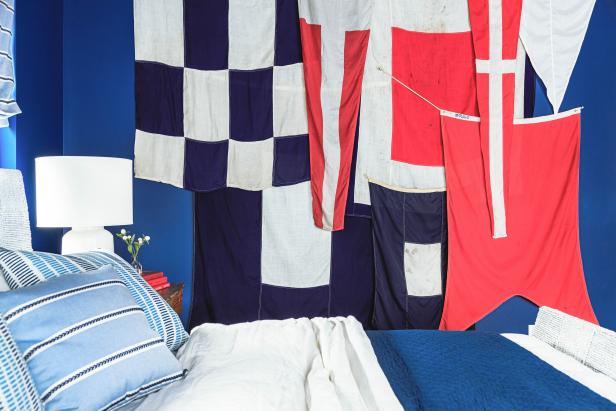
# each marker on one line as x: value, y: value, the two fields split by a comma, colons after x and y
x: 318, y: 364
x: 596, y: 381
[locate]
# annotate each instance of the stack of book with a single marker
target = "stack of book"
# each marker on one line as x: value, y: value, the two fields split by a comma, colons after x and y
x: 156, y: 279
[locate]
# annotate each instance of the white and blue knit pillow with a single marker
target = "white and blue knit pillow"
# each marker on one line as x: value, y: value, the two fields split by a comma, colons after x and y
x: 25, y: 268
x: 86, y: 342
x: 17, y: 390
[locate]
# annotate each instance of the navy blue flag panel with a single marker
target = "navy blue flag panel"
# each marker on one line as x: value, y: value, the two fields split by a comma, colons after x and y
x: 244, y: 272
x: 410, y: 252
x: 220, y: 95
x: 221, y: 111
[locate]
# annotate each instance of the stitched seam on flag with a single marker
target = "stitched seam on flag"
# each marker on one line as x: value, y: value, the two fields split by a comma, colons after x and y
x: 274, y: 156
x: 496, y: 155
x: 406, y: 291
x: 287, y: 287
x: 261, y: 263
x: 24, y: 308
x: 495, y: 128
x: 184, y: 41
x: 529, y: 120
x: 374, y: 258
x: 329, y: 286
x: 550, y: 117
x: 251, y: 188
x: 443, y: 211
x: 331, y: 136
x: 260, y: 299
x: 552, y: 47
x: 158, y: 179
x: 407, y: 190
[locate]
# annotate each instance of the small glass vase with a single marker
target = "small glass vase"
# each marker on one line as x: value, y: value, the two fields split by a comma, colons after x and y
x: 137, y: 265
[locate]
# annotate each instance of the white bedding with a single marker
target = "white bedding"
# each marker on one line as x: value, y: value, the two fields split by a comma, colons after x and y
x: 596, y: 381
x: 318, y: 364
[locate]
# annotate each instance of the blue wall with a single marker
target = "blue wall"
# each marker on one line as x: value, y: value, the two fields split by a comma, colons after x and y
x: 38, y: 57
x: 79, y: 100
x: 592, y: 85
x: 8, y: 145
x: 99, y: 120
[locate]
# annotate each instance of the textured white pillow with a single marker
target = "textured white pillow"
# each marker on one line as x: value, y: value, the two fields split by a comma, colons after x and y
x: 14, y: 219
x: 588, y: 343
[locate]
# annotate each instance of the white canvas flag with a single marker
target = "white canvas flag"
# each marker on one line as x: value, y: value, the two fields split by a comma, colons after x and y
x: 552, y: 32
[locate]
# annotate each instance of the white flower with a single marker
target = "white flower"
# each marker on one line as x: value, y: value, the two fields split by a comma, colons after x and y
x: 147, y: 238
x: 123, y: 231
x: 140, y: 240
x: 125, y: 238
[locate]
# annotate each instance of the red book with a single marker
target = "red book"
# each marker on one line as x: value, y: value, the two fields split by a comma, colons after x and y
x: 162, y: 286
x: 150, y: 275
x: 157, y: 281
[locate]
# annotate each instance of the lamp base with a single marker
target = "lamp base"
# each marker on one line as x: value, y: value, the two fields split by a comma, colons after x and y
x: 82, y: 239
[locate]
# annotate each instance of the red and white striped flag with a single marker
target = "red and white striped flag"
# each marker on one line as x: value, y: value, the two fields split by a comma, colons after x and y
x: 334, y: 43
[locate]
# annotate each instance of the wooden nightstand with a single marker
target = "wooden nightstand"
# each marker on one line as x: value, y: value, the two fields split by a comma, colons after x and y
x: 174, y: 295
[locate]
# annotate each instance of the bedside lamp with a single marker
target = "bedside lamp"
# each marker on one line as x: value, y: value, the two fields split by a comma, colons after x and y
x: 85, y: 193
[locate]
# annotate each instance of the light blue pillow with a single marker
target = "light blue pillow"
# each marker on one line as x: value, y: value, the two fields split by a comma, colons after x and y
x: 87, y: 342
x: 24, y: 268
x: 17, y: 390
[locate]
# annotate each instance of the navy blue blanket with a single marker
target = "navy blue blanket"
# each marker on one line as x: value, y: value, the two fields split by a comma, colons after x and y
x: 435, y: 370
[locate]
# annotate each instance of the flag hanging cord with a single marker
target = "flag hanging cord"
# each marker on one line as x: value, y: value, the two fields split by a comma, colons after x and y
x: 381, y: 69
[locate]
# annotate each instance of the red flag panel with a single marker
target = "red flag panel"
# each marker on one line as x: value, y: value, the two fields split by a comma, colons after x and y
x: 334, y: 58
x: 540, y: 258
x: 441, y: 67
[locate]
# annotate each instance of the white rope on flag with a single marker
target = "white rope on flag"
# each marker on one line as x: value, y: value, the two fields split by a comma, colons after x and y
x: 381, y: 69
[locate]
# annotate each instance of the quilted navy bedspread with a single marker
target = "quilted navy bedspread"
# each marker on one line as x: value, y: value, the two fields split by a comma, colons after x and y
x: 434, y: 370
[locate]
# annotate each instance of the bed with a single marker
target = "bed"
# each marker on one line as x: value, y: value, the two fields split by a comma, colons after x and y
x: 427, y: 370
x: 434, y: 370
x: 331, y: 364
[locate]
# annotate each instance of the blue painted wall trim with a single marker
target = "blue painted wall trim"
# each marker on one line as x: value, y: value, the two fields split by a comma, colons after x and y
x: 8, y: 145
x: 38, y: 57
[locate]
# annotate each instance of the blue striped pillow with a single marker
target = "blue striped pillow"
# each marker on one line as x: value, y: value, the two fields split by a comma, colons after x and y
x: 87, y: 342
x: 24, y: 268
x: 17, y: 390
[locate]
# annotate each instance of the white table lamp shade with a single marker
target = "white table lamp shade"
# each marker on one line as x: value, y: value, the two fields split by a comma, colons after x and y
x: 83, y: 193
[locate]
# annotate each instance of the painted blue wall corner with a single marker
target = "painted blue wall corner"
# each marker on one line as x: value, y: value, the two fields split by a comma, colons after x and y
x: 8, y: 145
x: 99, y: 120
x: 38, y: 64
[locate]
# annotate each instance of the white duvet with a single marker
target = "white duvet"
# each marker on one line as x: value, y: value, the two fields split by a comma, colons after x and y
x: 318, y: 364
